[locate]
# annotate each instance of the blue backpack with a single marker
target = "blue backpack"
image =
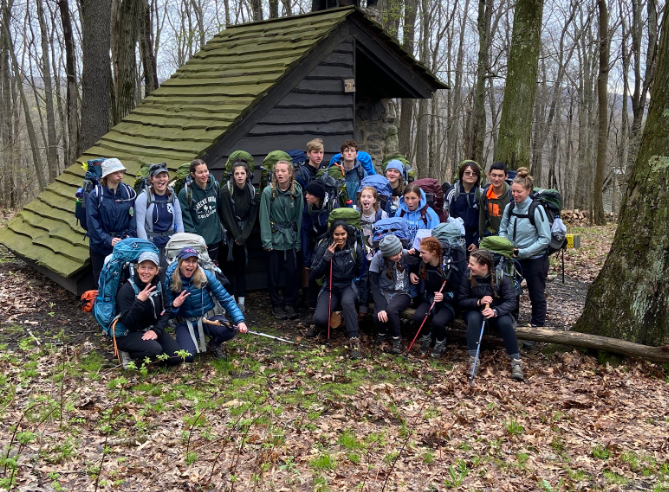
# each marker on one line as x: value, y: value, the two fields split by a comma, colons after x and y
x: 392, y: 225
x: 91, y: 182
x: 383, y: 189
x: 117, y: 270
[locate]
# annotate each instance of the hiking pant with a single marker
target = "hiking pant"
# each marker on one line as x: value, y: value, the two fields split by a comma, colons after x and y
x: 236, y: 267
x: 441, y: 315
x: 504, y: 324
x: 346, y: 298
x: 535, y: 273
x: 97, y: 262
x: 393, y: 308
x: 277, y: 261
x: 217, y: 335
x: 212, y: 250
x: 140, y: 349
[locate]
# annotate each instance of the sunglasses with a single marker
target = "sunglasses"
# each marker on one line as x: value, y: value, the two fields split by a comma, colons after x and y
x: 469, y: 173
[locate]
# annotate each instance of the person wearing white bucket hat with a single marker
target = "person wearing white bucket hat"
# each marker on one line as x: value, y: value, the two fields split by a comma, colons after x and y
x: 110, y: 213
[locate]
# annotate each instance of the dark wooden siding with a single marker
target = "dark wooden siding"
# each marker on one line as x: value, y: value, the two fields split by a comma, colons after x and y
x: 316, y: 107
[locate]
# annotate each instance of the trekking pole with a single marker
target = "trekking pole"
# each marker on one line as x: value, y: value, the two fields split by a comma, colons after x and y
x: 478, y: 349
x: 329, y: 304
x: 406, y: 354
x: 563, y: 265
x: 236, y: 328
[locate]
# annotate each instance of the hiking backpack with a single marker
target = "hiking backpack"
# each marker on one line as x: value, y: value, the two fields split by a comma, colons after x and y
x: 392, y: 225
x: 454, y: 193
x: 117, y: 270
x: 550, y: 202
x: 91, y: 182
x: 366, y: 163
x: 452, y: 240
x: 228, y: 180
x: 182, y: 240
x: 142, y: 184
x: 504, y: 264
x: 434, y: 195
x: 383, y: 190
x: 352, y: 218
x: 184, y: 180
x: 333, y: 179
x: 409, y: 175
x: 267, y: 167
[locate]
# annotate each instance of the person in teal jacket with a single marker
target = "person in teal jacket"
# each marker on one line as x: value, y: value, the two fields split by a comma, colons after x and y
x: 281, y: 208
x: 530, y: 242
x: 199, y: 207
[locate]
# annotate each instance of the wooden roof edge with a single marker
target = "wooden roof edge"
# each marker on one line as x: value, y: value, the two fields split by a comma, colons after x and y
x: 292, y: 17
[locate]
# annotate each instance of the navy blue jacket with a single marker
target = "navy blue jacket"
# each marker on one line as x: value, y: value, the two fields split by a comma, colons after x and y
x: 110, y: 215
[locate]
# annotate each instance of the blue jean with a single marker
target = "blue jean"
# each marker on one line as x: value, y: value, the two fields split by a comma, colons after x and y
x: 217, y: 335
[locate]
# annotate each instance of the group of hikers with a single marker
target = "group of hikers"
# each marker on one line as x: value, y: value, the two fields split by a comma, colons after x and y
x: 345, y: 234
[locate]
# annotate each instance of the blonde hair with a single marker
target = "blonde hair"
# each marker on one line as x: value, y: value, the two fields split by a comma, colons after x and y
x: 524, y: 179
x: 176, y: 285
x: 377, y: 205
x: 315, y: 144
x: 275, y: 183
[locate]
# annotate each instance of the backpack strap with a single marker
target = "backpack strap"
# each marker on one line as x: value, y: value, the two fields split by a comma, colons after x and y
x: 423, y: 214
x: 379, y: 214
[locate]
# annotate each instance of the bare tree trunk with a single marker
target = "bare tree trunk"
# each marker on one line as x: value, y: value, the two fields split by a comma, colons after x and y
x: 127, y: 21
x: 273, y: 9
x: 96, y: 75
x: 602, y: 103
x: 479, y: 115
x: 256, y: 7
x: 51, y: 140
x: 288, y: 7
x: 408, y: 105
x: 456, y: 117
x: 7, y: 185
x: 32, y: 136
x: 146, y: 49
x: 199, y: 18
x: 72, y: 91
x: 515, y: 130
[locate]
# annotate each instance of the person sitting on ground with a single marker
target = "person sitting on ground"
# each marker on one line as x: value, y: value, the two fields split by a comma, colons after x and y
x: 415, y: 211
x: 389, y: 287
x: 190, y: 291
x: 495, y: 196
x: 370, y: 211
x: 530, y: 242
x: 341, y: 259
x: 238, y: 208
x: 280, y: 225
x: 314, y: 227
x: 440, y: 287
x: 144, y: 314
x: 110, y: 214
x: 481, y: 297
x: 158, y: 212
x: 463, y: 200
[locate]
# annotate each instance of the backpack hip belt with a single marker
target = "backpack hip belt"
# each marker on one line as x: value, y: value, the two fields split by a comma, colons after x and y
x: 159, y: 234
x: 200, y: 328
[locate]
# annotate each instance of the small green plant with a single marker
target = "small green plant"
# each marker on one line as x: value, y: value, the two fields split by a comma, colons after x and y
x: 428, y: 457
x: 600, y: 452
x: 546, y: 485
x: 191, y: 457
x: 324, y: 462
x: 289, y: 465
x: 456, y: 474
x: 513, y: 427
x: 51, y: 306
x: 348, y: 440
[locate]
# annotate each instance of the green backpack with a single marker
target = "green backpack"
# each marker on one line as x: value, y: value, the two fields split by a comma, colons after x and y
x: 503, y: 262
x: 267, y: 168
x: 349, y: 215
x: 497, y: 245
x: 183, y: 179
x: 237, y: 155
x: 409, y: 174
x: 333, y: 179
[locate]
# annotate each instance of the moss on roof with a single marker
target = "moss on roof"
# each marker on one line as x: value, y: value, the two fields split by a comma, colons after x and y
x: 180, y: 121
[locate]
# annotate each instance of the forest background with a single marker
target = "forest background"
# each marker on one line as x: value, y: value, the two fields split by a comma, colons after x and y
x: 58, y: 95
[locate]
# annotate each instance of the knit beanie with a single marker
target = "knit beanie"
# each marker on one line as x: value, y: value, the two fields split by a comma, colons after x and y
x: 395, y: 164
x: 390, y: 246
x: 316, y: 189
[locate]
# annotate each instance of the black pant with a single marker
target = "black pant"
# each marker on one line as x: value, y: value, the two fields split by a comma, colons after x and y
x: 535, y: 272
x: 504, y: 324
x: 397, y: 304
x: 97, y: 262
x: 236, y: 267
x: 277, y: 261
x: 347, y: 299
x: 440, y: 316
x: 212, y: 250
x: 140, y: 349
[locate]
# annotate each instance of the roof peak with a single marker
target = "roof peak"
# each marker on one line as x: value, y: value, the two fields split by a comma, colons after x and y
x: 350, y: 9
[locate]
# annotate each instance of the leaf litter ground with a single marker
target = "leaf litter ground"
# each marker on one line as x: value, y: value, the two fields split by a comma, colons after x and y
x: 278, y: 417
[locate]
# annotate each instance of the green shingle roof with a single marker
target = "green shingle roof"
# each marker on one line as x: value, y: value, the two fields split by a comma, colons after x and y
x: 178, y: 122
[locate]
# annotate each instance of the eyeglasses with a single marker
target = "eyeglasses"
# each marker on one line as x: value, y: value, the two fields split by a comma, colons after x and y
x: 469, y: 173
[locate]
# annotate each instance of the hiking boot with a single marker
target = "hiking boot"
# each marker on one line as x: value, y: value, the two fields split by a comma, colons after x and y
x: 517, y: 369
x: 290, y: 312
x: 218, y: 351
x: 241, y: 307
x: 425, y: 342
x: 313, y: 332
x: 439, y: 349
x: 125, y: 358
x: 279, y: 313
x: 354, y: 343
x: 396, y: 345
x: 470, y: 366
x: 380, y: 339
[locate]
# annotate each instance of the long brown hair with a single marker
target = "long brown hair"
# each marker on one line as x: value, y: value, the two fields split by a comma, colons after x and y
x: 388, y: 264
x: 433, y: 245
x: 483, y: 257
x: 176, y: 285
x: 377, y: 204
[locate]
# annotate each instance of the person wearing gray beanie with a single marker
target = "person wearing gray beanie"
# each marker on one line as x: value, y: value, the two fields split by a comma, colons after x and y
x: 389, y: 278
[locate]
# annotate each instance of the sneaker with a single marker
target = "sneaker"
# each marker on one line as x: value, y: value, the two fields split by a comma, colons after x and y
x: 354, y: 343
x: 290, y: 312
x: 470, y: 366
x: 125, y: 358
x: 218, y: 351
x: 380, y: 339
x: 439, y: 349
x: 396, y: 345
x: 517, y: 369
x: 279, y: 313
x: 425, y: 342
x: 241, y: 307
x: 313, y: 332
